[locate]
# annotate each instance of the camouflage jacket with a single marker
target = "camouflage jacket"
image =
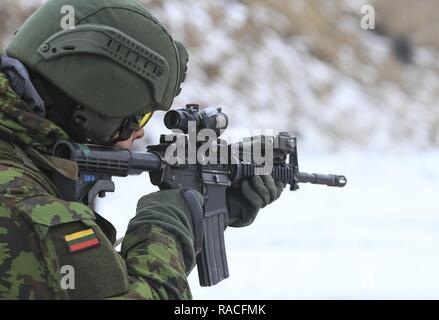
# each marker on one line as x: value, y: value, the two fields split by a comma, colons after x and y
x: 53, y: 249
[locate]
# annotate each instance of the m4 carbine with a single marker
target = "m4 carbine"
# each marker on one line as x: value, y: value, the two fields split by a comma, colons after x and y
x: 210, y: 166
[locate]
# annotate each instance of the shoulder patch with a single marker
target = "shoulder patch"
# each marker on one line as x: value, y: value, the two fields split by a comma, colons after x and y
x: 81, y: 240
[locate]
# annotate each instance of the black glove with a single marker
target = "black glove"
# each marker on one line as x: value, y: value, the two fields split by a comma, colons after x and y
x: 178, y: 211
x: 245, y: 200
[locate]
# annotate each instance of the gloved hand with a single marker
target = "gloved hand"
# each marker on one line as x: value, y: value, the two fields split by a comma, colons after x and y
x: 178, y: 211
x: 245, y: 200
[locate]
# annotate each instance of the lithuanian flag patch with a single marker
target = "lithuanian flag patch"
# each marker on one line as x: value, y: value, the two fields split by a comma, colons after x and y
x: 81, y: 240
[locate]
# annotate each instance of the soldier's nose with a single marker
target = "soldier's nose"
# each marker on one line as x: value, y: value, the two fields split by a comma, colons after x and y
x: 139, y: 134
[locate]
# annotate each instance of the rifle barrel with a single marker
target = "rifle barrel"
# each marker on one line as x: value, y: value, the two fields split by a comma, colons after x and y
x: 330, y: 180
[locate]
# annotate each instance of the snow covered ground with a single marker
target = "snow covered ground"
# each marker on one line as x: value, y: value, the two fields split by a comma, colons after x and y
x: 376, y: 238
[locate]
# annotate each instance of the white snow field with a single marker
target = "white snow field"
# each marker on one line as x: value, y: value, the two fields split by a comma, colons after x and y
x: 376, y: 238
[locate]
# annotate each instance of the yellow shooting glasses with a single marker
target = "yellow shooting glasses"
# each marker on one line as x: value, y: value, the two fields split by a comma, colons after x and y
x: 130, y: 125
x: 145, y: 119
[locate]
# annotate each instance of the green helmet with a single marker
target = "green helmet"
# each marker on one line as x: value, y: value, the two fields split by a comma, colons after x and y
x: 117, y: 62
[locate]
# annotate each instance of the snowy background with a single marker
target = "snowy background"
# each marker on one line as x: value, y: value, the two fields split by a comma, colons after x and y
x: 363, y: 103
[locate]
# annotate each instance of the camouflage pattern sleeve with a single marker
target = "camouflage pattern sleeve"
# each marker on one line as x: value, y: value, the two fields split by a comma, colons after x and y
x: 27, y: 127
x: 35, y: 246
x: 38, y: 236
x: 39, y: 233
x: 155, y: 265
x: 28, y: 266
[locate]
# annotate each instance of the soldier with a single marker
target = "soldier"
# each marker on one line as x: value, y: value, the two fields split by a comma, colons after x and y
x: 98, y: 83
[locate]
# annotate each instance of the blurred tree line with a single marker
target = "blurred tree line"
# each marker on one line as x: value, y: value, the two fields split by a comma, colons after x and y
x: 396, y: 18
x: 280, y: 41
x: 12, y: 14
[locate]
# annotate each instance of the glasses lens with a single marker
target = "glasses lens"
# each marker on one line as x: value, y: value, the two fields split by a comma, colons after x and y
x: 145, y: 119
